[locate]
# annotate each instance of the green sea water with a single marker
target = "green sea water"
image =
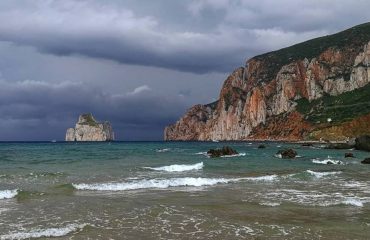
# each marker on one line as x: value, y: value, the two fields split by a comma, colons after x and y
x: 172, y: 190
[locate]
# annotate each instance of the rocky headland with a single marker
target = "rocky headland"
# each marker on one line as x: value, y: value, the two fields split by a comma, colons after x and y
x: 314, y: 90
x: 88, y: 129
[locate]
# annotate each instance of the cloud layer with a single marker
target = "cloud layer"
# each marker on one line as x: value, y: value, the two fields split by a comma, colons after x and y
x: 30, y: 105
x: 139, y: 64
x: 227, y: 31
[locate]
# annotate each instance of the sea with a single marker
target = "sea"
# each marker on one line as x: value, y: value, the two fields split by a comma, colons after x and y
x: 173, y: 190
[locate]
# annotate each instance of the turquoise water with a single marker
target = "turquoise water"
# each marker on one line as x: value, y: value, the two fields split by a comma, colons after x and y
x: 171, y: 190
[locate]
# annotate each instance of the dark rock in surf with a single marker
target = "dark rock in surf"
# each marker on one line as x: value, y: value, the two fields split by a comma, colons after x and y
x: 366, y: 161
x: 363, y: 143
x: 286, y: 153
x: 224, y: 151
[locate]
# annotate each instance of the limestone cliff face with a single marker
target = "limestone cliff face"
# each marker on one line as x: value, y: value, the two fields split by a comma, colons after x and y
x: 287, y: 94
x: 88, y: 129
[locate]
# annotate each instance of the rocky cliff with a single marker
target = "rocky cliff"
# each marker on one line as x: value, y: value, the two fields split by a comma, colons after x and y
x: 312, y: 90
x: 88, y: 129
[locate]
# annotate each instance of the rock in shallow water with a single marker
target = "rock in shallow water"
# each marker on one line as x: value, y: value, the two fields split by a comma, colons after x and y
x: 349, y: 155
x: 363, y: 143
x: 226, y: 150
x: 287, y: 153
x: 339, y: 146
x: 366, y: 161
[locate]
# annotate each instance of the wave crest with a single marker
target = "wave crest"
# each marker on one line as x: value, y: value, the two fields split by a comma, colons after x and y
x: 6, y: 194
x: 322, y: 174
x: 234, y: 155
x: 153, y: 183
x: 327, y: 161
x: 178, y: 167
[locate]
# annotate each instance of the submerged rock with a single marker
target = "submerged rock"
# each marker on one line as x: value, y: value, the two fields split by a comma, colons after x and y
x: 226, y: 150
x: 363, y: 143
x: 307, y: 145
x: 366, y: 161
x: 262, y: 146
x: 286, y: 153
x: 349, y: 155
x: 88, y: 129
x: 339, y: 146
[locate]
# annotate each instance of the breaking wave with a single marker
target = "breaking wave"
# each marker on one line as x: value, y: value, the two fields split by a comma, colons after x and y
x: 267, y: 178
x: 163, y: 150
x: 234, y: 155
x: 224, y: 156
x: 353, y: 201
x: 6, y: 194
x: 322, y: 174
x: 327, y: 161
x: 49, y: 232
x: 270, y: 204
x: 153, y: 183
x: 178, y: 167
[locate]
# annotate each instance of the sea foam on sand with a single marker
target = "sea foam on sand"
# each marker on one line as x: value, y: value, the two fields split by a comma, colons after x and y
x: 49, y: 232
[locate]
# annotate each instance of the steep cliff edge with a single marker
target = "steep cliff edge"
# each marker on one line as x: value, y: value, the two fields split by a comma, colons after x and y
x: 88, y: 129
x: 290, y: 94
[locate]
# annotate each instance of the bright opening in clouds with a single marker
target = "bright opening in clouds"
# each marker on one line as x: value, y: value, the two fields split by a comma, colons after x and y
x: 138, y: 64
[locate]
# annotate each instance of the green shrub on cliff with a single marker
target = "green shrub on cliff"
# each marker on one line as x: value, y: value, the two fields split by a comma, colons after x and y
x: 341, y: 108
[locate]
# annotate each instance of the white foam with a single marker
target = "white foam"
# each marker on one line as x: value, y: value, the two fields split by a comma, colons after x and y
x: 153, y: 183
x: 353, y: 201
x: 49, y: 232
x: 178, y: 167
x: 163, y: 150
x: 278, y: 155
x: 270, y: 204
x: 327, y: 161
x: 6, y: 194
x: 234, y: 155
x: 201, y: 153
x: 267, y: 178
x: 322, y: 174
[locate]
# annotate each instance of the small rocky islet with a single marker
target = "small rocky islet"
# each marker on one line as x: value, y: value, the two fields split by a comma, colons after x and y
x: 88, y: 129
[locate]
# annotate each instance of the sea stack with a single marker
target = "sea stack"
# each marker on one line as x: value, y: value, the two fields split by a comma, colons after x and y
x: 88, y: 129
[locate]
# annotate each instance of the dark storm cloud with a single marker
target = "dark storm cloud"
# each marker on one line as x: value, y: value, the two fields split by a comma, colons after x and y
x: 30, y: 105
x: 138, y: 63
x: 224, y: 33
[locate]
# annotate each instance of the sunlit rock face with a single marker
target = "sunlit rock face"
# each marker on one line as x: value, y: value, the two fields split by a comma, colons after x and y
x: 277, y: 95
x: 88, y: 129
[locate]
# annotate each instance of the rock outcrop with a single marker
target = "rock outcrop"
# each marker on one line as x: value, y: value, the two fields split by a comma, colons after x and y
x: 312, y: 90
x: 363, y: 143
x: 224, y: 151
x: 366, y: 161
x: 286, y: 153
x: 88, y: 129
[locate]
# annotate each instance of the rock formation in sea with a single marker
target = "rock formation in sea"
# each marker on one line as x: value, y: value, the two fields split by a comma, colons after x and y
x: 88, y: 129
x: 314, y: 90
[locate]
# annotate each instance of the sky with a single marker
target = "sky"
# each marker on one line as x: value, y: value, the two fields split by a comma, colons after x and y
x: 139, y: 64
